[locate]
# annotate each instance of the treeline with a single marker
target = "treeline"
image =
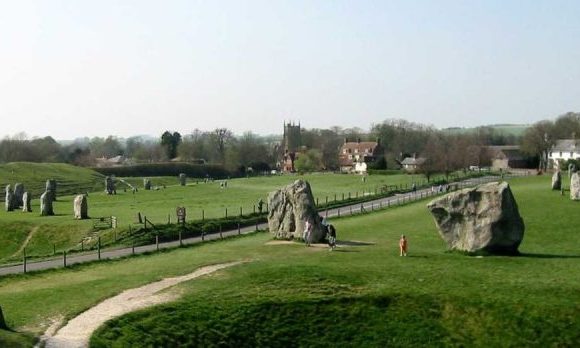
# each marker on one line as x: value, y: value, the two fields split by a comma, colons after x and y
x: 541, y: 136
x: 241, y: 153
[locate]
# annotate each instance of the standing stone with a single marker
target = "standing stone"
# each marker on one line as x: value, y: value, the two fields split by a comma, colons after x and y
x: 18, y: 192
x: 81, y: 207
x: 46, y: 204
x: 147, y: 184
x: 182, y: 179
x: 557, y: 180
x: 483, y: 218
x: 9, y: 200
x: 110, y: 186
x: 51, y: 187
x: 575, y: 187
x: 26, y: 202
x: 290, y: 208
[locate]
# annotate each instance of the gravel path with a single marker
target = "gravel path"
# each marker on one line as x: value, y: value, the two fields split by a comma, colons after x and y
x: 77, y: 332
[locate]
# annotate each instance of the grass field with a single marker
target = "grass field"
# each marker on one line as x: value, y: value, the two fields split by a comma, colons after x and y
x: 42, y: 235
x: 361, y: 295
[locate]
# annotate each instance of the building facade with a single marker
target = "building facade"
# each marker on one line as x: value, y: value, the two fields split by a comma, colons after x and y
x: 356, y: 156
x: 563, y: 150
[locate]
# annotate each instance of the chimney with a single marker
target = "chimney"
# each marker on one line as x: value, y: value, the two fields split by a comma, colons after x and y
x: 358, y: 140
x: 345, y: 140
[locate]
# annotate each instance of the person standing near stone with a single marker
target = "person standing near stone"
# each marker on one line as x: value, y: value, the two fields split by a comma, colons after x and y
x: 331, y: 237
x: 403, y: 245
x: 260, y: 205
x: 307, y: 232
x: 26, y: 202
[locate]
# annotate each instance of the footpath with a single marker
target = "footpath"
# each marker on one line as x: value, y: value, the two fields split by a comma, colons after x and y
x: 378, y: 204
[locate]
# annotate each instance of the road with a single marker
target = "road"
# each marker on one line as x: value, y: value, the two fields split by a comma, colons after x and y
x: 77, y: 258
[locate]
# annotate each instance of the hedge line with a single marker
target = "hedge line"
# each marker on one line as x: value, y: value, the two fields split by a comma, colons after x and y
x: 168, y: 169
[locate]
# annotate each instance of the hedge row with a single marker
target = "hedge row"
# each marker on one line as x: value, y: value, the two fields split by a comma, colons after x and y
x: 168, y: 169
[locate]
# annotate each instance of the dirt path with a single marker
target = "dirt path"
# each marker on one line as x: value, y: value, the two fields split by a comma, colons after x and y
x: 77, y: 332
x: 26, y: 241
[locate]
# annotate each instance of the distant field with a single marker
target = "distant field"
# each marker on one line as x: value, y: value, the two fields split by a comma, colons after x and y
x: 70, y: 179
x: 507, y: 129
x: 363, y: 294
x: 43, y: 235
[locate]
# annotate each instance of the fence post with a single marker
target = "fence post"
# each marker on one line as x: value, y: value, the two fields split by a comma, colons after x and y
x: 239, y: 229
x: 221, y: 236
x: 99, y: 247
x: 133, y: 248
x: 335, y: 198
x: 202, y: 215
x: 54, y: 249
x: 83, y: 245
x: 254, y: 209
x: 316, y: 201
x: 343, y: 196
x: 226, y: 213
x: 350, y: 207
x: 169, y: 219
x: 24, y: 258
x: 157, y: 241
x: 326, y: 201
x: 362, y: 208
x: 64, y: 258
x: 338, y: 211
x: 241, y: 212
x: 180, y: 240
x: 202, y: 235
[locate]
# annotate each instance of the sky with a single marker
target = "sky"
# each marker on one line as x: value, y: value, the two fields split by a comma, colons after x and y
x: 72, y: 69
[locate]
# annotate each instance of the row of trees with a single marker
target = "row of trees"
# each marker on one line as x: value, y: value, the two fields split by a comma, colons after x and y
x: 445, y: 151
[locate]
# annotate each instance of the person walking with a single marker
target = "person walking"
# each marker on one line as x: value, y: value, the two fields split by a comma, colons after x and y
x: 403, y: 245
x: 331, y: 237
x: 307, y: 232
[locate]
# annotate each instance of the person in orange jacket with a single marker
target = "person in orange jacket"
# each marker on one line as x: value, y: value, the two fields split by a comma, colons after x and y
x: 403, y: 245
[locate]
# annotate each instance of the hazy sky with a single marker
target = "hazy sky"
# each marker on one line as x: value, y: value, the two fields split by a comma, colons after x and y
x: 88, y: 68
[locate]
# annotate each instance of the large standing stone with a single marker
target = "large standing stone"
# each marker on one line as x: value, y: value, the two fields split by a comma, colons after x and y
x: 557, y: 180
x: 147, y: 183
x: 9, y: 199
x: 110, y: 186
x: 182, y: 179
x: 26, y: 198
x: 290, y: 208
x: 483, y: 218
x: 81, y: 207
x: 575, y: 187
x: 51, y: 187
x: 18, y: 192
x: 46, y: 204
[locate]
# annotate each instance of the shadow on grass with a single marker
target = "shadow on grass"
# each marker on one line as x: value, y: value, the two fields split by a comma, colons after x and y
x: 352, y: 243
x: 344, y: 251
x: 548, y: 256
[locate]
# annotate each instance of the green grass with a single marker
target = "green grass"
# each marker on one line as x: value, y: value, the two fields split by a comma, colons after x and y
x: 70, y: 179
x: 199, y: 198
x: 362, y: 295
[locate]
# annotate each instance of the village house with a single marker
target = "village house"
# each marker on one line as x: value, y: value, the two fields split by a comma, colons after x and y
x: 507, y: 157
x: 563, y: 150
x: 356, y: 156
x: 412, y: 164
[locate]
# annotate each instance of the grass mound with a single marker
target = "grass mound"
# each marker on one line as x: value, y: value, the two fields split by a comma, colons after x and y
x: 70, y: 179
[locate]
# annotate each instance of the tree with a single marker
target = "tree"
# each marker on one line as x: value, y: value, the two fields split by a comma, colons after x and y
x: 170, y: 141
x: 219, y: 140
x: 538, y: 140
x: 309, y: 162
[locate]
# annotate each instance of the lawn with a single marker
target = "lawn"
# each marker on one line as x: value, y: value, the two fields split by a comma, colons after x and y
x: 62, y: 232
x: 361, y: 295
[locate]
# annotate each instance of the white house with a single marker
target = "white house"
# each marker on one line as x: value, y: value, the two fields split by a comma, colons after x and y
x: 412, y: 164
x: 564, y: 149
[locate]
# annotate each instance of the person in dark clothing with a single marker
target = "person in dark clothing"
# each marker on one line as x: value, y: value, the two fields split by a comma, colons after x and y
x: 331, y: 237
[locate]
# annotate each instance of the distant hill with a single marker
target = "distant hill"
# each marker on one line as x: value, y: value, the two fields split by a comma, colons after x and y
x: 70, y: 179
x: 504, y: 129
